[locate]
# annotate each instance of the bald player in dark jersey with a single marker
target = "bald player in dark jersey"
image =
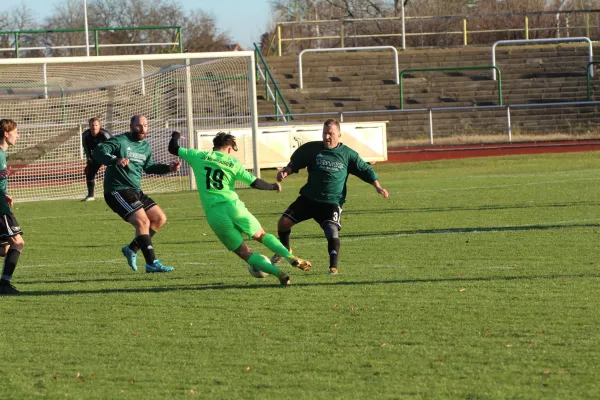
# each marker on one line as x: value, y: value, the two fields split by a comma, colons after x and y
x: 329, y: 162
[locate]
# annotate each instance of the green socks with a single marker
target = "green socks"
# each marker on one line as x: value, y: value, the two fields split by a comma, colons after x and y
x: 275, y: 246
x: 262, y: 263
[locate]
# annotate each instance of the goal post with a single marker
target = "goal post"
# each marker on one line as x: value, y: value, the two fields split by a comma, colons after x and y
x: 51, y: 99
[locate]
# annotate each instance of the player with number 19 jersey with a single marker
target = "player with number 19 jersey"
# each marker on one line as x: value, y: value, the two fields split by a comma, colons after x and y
x: 217, y: 184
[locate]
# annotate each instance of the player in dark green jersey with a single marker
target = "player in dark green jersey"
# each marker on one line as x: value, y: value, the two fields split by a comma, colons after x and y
x: 216, y: 173
x: 328, y: 163
x: 126, y: 156
x: 11, y: 242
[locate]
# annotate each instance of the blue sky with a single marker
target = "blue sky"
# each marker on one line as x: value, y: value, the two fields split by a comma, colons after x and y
x: 244, y: 20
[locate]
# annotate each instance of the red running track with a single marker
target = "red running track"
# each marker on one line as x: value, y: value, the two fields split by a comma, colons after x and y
x: 431, y: 153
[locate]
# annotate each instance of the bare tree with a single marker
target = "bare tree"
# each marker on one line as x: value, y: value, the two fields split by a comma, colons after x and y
x: 367, y: 21
x: 201, y: 33
x: 18, y: 19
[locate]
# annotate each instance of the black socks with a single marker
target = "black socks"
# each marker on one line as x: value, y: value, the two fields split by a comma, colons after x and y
x: 284, y: 238
x: 10, y: 263
x: 333, y: 248
x: 144, y: 243
x: 134, y: 246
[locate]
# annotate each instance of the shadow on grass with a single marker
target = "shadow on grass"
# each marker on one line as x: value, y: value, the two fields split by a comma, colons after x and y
x: 221, y: 286
x: 438, y: 231
x: 491, y: 207
x: 441, y: 231
x: 70, y: 281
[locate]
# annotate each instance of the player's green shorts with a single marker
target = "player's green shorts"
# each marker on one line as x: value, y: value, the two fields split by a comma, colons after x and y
x: 229, y: 220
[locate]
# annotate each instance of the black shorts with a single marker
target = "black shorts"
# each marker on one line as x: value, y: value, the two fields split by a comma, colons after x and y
x: 126, y: 202
x: 9, y: 227
x: 304, y: 208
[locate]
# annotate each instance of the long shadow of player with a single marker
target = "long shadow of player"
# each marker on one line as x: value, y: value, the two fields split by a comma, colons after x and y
x: 222, y: 286
x: 514, y: 228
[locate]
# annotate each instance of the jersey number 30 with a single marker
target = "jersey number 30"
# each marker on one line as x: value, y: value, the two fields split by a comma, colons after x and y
x: 214, y: 178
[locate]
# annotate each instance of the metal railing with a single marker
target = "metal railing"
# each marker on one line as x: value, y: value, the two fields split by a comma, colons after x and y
x: 507, y: 108
x: 17, y: 35
x: 493, y: 67
x: 266, y: 76
x: 588, y: 75
x: 338, y: 28
x: 540, y: 41
x: 367, y: 48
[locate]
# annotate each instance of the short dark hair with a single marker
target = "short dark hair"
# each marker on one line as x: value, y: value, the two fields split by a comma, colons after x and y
x: 136, y: 117
x: 6, y: 125
x: 223, y: 140
x: 93, y: 119
x: 332, y: 122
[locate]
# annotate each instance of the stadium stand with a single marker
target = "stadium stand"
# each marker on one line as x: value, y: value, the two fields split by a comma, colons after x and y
x: 343, y: 82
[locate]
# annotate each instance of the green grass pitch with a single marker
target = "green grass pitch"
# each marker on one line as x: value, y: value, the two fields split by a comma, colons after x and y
x: 476, y: 279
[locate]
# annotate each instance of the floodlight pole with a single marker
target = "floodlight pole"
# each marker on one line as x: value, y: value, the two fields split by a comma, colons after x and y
x: 560, y: 7
x: 403, y: 25
x: 87, y: 36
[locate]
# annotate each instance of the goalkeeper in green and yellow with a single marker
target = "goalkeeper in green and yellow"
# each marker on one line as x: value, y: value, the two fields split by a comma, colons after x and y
x: 216, y: 172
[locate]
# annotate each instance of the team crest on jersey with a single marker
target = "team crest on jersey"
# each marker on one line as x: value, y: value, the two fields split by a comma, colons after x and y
x: 132, y: 155
x: 328, y: 165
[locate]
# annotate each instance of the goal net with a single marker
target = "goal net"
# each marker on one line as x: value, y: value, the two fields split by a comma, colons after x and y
x: 52, y: 99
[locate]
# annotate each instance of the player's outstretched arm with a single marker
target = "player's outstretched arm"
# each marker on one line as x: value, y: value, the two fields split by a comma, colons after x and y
x: 174, y: 143
x: 380, y: 190
x: 264, y: 185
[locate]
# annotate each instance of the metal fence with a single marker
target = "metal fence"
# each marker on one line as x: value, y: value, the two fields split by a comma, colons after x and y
x: 431, y: 112
x: 16, y: 42
x: 427, y: 31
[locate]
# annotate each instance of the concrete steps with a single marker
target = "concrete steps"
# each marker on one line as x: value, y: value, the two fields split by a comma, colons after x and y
x: 342, y: 82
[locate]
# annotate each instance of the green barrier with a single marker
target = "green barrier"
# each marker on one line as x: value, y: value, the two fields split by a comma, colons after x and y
x: 95, y: 33
x: 268, y: 75
x: 450, y: 69
x: 588, y: 77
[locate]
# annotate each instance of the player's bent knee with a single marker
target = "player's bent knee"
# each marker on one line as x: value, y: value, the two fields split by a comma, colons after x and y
x: 140, y: 221
x: 160, y: 221
x: 258, y: 236
x: 157, y: 217
x: 285, y: 224
x: 331, y: 230
x: 17, y: 243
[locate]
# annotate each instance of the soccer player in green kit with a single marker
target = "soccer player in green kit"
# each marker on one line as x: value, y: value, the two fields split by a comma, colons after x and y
x: 11, y: 242
x: 216, y: 172
x: 328, y: 163
x: 126, y: 156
